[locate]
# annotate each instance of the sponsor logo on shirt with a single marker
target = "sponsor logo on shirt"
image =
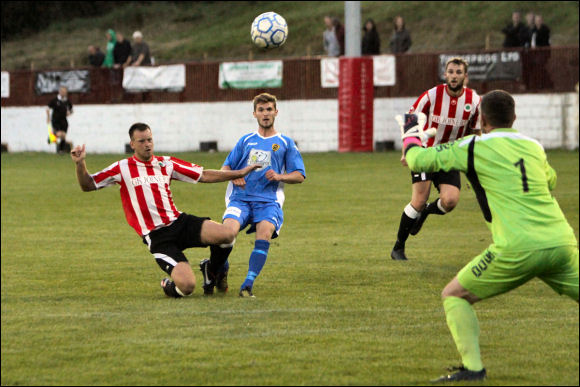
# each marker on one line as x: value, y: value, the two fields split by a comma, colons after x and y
x: 448, y: 120
x: 261, y: 157
x: 148, y: 180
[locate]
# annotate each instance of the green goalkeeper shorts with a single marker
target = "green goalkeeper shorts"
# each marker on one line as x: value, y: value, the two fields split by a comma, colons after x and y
x: 495, y: 272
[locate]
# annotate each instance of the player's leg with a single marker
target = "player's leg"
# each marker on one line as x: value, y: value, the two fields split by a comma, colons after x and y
x: 561, y: 271
x: 60, y: 129
x: 489, y: 274
x: 421, y: 188
x: 258, y: 257
x: 464, y: 327
x: 448, y: 184
x: 172, y: 261
x: 269, y: 218
x: 184, y: 279
x: 215, y: 269
x: 60, y: 139
x: 167, y: 245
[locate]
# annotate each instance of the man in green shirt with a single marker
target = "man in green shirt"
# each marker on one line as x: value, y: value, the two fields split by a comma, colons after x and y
x: 512, y: 180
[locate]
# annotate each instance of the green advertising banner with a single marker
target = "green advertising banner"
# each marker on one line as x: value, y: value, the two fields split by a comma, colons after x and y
x: 250, y: 75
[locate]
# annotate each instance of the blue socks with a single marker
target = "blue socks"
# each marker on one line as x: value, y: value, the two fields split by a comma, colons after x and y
x: 257, y: 261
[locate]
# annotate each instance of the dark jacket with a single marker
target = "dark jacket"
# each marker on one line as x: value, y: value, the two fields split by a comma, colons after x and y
x: 97, y: 58
x: 121, y: 52
x: 371, y: 43
x: 515, y: 36
x: 400, y: 42
x: 542, y: 35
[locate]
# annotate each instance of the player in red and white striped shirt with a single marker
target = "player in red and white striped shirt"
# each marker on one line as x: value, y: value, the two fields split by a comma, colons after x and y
x: 148, y: 203
x: 453, y: 110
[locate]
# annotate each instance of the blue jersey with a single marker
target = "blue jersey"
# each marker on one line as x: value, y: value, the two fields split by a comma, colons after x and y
x: 277, y: 152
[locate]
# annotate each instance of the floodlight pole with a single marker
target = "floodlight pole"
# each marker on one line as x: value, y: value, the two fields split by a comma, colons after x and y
x: 352, y: 29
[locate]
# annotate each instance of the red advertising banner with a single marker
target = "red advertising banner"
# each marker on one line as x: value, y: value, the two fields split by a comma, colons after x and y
x: 355, y: 104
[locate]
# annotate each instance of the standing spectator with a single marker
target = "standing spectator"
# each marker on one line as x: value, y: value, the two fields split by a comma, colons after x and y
x: 329, y: 40
x: 540, y: 77
x: 527, y: 33
x: 140, y: 55
x: 514, y: 32
x: 96, y: 56
x: 371, y: 42
x: 401, y: 38
x: 111, y: 41
x: 540, y: 33
x: 121, y: 52
x: 339, y: 31
x: 61, y: 108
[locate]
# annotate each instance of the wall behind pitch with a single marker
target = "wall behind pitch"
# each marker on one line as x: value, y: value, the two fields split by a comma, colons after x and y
x: 177, y: 127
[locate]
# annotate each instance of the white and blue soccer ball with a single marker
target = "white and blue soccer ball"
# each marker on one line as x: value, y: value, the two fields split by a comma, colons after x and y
x: 269, y: 30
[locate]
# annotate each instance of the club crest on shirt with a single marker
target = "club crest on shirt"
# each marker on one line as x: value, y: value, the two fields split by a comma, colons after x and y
x: 275, y: 147
x: 467, y: 107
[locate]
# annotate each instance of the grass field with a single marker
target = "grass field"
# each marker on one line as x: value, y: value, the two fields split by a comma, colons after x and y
x: 81, y: 303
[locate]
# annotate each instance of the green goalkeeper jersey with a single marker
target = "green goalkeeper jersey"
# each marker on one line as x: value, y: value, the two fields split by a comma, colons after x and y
x: 512, y: 180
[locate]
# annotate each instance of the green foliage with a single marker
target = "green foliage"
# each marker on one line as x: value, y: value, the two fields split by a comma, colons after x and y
x: 81, y: 303
x: 194, y: 31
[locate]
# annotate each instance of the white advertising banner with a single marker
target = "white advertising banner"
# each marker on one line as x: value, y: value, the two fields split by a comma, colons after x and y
x: 384, y: 67
x: 250, y: 75
x: 161, y: 78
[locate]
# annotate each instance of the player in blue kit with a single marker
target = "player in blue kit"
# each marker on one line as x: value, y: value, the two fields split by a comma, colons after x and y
x: 257, y: 199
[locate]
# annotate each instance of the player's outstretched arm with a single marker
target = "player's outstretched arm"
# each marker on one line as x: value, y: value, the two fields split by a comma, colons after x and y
x: 215, y: 176
x: 295, y: 177
x: 78, y: 155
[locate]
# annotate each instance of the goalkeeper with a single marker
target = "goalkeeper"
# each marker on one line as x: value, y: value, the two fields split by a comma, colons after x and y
x: 531, y: 236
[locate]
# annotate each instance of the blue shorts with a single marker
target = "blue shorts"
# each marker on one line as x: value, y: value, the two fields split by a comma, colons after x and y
x: 251, y: 213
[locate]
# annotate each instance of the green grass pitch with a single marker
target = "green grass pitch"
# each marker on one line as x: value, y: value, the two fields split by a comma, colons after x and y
x: 81, y: 302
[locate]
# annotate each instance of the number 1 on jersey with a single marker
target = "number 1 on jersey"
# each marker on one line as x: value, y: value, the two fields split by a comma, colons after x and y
x: 520, y: 163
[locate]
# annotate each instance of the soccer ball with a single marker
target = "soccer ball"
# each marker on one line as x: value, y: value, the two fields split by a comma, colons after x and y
x: 269, y: 30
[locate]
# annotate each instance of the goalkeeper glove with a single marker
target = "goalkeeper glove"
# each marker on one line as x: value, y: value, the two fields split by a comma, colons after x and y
x: 412, y: 128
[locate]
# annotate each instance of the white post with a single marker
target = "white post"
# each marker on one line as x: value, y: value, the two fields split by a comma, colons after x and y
x: 352, y: 28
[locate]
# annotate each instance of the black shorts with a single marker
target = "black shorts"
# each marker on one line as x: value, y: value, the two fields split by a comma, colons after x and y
x: 452, y: 177
x: 61, y: 125
x: 167, y: 243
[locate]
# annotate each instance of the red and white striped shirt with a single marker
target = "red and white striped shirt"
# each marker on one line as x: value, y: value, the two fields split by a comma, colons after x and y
x: 451, y: 116
x: 145, y: 191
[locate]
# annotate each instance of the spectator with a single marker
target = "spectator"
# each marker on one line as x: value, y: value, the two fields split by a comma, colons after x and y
x: 140, y: 55
x: 339, y: 32
x: 540, y: 75
x: 96, y: 56
x: 540, y: 33
x: 121, y: 52
x: 111, y: 41
x: 401, y: 38
x: 514, y: 32
x: 329, y: 40
x: 371, y: 42
x: 527, y: 33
